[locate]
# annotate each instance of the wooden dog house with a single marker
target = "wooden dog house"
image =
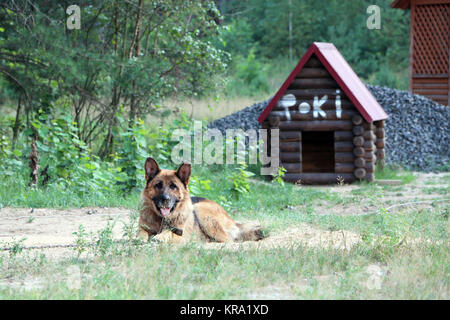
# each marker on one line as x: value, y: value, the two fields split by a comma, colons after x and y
x: 331, y: 126
x: 429, y: 56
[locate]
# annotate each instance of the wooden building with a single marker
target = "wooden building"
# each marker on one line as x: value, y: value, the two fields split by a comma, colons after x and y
x: 331, y: 126
x: 429, y: 57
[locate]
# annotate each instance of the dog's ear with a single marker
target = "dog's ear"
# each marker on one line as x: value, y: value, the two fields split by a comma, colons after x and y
x: 151, y: 169
x: 184, y: 172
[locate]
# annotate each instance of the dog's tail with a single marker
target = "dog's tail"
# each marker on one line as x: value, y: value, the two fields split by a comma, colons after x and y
x: 250, y: 232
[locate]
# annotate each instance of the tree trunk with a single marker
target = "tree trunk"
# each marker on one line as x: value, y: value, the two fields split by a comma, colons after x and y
x: 34, y: 166
x: 16, y: 123
x: 135, y: 46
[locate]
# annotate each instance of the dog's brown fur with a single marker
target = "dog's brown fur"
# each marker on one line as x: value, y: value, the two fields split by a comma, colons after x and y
x: 201, y: 219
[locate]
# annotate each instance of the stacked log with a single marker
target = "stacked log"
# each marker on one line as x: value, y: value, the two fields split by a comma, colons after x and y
x: 295, y: 115
x: 380, y: 142
x: 343, y: 156
x: 292, y: 167
x: 291, y: 136
x: 316, y: 125
x: 291, y: 151
x: 318, y: 178
x: 343, y: 136
x: 343, y: 146
x: 274, y: 121
x: 370, y: 149
x: 358, y: 130
x: 266, y: 125
x: 359, y: 163
x: 329, y: 105
x: 357, y: 146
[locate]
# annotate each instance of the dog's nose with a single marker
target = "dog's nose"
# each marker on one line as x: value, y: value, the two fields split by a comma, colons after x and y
x: 165, y: 197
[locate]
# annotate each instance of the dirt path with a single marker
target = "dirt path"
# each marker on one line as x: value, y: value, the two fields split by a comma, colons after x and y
x: 53, y: 227
x: 416, y: 193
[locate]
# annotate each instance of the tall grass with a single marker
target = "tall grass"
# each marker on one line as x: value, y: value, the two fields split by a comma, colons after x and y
x: 193, y: 272
x: 15, y: 192
x: 394, y: 173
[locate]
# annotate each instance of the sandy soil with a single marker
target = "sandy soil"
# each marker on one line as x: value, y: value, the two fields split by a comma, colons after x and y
x: 408, y: 194
x: 53, y: 229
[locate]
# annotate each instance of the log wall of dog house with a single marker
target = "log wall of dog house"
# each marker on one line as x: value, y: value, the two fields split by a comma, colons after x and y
x: 357, y: 143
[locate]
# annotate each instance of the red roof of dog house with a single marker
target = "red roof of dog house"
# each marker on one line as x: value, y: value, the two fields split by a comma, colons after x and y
x: 402, y: 4
x: 344, y: 75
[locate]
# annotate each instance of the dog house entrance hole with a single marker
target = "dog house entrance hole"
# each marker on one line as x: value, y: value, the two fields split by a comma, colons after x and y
x: 318, y: 151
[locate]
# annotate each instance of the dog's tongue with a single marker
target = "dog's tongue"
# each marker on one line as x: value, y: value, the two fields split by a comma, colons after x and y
x: 165, y: 211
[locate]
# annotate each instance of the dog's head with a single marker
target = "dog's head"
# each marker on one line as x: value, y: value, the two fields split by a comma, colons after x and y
x: 165, y: 189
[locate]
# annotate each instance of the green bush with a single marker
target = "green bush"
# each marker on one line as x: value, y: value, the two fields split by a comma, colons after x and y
x: 72, y: 164
x: 250, y: 77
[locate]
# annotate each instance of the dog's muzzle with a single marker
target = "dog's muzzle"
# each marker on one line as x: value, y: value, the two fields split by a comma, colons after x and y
x: 165, y: 204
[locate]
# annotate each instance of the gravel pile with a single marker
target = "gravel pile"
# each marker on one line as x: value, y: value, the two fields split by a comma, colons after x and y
x: 417, y: 130
x: 244, y: 119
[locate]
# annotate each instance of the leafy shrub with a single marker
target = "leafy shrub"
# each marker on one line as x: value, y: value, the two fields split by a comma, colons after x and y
x: 72, y: 165
x: 279, y: 176
x: 198, y: 186
x: 69, y: 159
x: 9, y: 159
x: 82, y: 240
x: 239, y: 179
x: 130, y: 155
x: 250, y: 77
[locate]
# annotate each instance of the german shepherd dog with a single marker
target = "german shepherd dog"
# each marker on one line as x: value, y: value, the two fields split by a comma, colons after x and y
x: 170, y: 214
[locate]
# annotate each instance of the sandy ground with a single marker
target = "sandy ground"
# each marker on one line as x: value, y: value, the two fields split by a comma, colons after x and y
x: 52, y: 226
x: 51, y: 231
x: 54, y: 229
x: 408, y: 195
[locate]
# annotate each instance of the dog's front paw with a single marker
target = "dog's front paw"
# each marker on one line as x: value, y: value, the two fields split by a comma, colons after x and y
x: 163, y: 237
x: 142, y: 235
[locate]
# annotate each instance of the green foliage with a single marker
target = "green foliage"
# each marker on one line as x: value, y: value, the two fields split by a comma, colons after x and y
x: 239, y: 179
x: 128, y: 55
x: 262, y: 28
x: 237, y: 37
x: 82, y: 240
x: 198, y: 186
x: 72, y: 164
x: 386, y: 77
x: 393, y: 172
x: 9, y: 159
x: 104, y: 241
x: 391, y: 232
x: 131, y: 152
x: 250, y: 77
x: 279, y: 176
x: 16, y: 246
x: 69, y: 159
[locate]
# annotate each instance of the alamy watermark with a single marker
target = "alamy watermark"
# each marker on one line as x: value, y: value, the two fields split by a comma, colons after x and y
x: 375, y: 277
x: 73, y: 277
x: 74, y: 18
x: 207, y: 147
x: 374, y: 20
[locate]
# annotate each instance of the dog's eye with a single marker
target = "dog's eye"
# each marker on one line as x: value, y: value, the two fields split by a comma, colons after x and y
x: 173, y: 186
x: 159, y: 185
